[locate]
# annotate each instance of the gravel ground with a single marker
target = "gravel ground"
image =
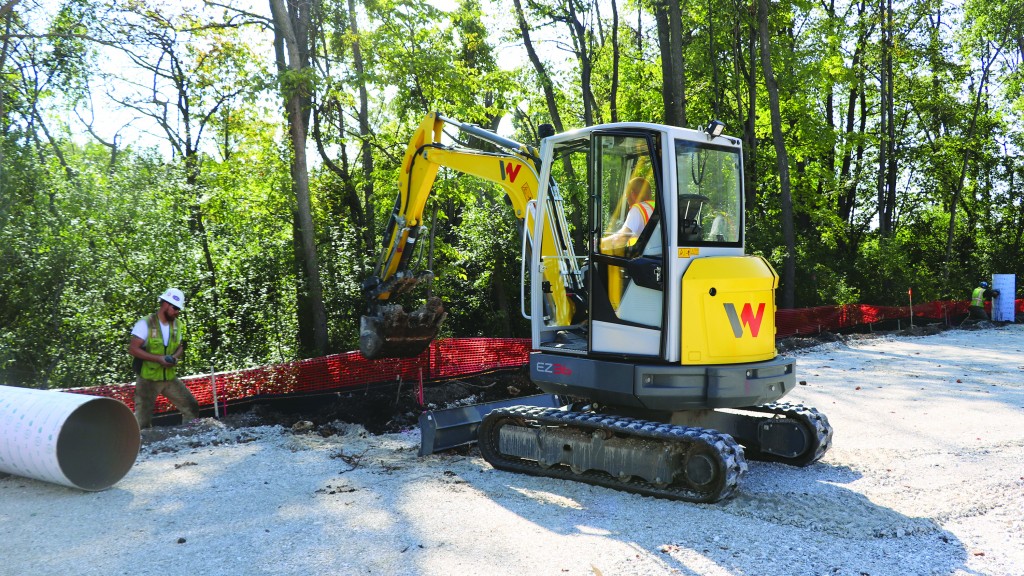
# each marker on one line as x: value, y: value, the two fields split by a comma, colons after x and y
x: 925, y: 477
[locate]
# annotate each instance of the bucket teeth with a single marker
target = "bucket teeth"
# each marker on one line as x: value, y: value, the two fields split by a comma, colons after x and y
x: 393, y: 333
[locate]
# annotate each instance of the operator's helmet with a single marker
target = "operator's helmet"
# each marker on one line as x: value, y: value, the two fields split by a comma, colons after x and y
x: 984, y: 284
x: 174, y: 297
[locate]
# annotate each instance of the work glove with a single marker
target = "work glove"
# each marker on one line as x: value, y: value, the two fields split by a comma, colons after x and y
x: 170, y: 359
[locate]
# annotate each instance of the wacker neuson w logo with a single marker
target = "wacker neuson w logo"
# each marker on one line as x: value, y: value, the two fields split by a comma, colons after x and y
x: 746, y: 318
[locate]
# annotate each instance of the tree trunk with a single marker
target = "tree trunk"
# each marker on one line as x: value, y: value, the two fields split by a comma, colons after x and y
x: 581, y: 41
x: 750, y: 123
x: 886, y: 138
x: 847, y: 186
x: 370, y: 232
x: 613, y: 98
x: 788, y: 237
x: 542, y: 74
x: 716, y: 89
x: 287, y: 24
x: 197, y: 226
x: 670, y: 40
x: 8, y: 13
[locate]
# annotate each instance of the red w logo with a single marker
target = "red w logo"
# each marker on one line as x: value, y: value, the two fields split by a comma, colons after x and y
x: 512, y: 171
x: 745, y: 318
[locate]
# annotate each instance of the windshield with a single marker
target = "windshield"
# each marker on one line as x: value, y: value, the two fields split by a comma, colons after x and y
x: 710, y: 194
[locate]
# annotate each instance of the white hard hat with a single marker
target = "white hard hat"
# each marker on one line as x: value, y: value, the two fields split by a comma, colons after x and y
x: 174, y: 297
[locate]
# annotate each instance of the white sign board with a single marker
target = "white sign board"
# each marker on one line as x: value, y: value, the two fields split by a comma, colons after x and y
x: 1003, y: 305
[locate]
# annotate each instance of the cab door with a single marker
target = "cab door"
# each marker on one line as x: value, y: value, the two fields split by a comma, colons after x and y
x: 626, y: 277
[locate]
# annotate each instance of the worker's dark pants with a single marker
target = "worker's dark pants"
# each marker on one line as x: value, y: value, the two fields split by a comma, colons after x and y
x: 175, y: 390
x: 978, y: 313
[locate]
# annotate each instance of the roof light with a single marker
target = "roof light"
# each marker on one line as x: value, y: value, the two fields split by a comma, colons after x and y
x: 715, y: 128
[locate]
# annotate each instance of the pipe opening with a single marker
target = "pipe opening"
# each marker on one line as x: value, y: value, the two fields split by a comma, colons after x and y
x: 98, y: 444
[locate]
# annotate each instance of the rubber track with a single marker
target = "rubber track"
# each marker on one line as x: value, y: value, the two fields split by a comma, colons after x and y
x: 729, y: 452
x: 810, y: 419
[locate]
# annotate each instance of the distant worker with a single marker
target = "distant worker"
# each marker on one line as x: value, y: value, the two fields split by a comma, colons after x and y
x: 641, y: 207
x: 158, y: 343
x: 978, y: 298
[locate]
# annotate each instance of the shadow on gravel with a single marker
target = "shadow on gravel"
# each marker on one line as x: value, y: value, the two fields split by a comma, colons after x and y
x: 825, y: 529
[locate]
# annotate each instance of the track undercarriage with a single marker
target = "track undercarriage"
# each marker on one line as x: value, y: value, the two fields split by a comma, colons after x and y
x: 677, y: 461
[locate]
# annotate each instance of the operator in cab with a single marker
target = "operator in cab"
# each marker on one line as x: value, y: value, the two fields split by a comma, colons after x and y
x: 637, y: 197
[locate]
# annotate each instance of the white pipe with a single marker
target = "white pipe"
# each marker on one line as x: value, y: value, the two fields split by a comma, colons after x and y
x: 1004, y: 305
x: 86, y: 442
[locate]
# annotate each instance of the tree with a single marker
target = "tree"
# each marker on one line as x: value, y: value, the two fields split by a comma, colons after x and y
x: 782, y: 159
x: 543, y: 76
x: 291, y: 30
x: 673, y: 70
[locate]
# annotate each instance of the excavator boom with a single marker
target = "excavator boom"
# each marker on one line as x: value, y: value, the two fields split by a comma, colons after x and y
x: 387, y: 330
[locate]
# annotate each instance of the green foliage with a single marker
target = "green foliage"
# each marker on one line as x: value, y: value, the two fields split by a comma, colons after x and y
x: 90, y: 235
x: 481, y: 277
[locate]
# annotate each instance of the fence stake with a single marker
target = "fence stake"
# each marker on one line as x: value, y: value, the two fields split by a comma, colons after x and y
x: 910, y: 295
x: 420, y: 392
x: 213, y: 384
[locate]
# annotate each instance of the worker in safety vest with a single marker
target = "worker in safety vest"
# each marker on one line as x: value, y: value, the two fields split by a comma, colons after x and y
x: 978, y: 298
x: 637, y: 197
x: 158, y: 343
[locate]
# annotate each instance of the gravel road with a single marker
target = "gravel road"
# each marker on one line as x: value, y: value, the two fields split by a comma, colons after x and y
x: 926, y: 476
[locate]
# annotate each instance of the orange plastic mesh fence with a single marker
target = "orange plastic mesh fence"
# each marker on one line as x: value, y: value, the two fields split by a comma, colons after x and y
x: 463, y: 357
x: 443, y: 360
x: 831, y: 318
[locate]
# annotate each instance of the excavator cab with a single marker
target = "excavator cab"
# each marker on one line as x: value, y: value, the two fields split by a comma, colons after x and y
x: 634, y: 274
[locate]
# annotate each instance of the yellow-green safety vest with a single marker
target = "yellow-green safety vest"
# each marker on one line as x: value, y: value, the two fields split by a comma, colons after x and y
x: 978, y: 297
x: 155, y: 345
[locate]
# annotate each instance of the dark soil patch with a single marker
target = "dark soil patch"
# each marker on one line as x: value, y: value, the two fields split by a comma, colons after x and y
x: 381, y: 409
x: 396, y: 408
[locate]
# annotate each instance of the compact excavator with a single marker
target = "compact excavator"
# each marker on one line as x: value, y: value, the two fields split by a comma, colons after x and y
x: 655, y: 342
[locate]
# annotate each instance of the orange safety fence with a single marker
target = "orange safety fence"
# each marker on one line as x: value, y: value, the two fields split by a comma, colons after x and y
x: 806, y: 321
x: 464, y: 357
x: 443, y: 360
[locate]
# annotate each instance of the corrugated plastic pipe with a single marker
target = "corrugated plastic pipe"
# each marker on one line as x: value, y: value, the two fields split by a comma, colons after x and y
x: 86, y: 442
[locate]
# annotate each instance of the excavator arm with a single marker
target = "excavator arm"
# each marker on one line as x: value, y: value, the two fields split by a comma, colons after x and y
x: 387, y: 331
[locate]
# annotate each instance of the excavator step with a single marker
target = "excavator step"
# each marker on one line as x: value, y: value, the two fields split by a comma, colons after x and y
x: 452, y: 427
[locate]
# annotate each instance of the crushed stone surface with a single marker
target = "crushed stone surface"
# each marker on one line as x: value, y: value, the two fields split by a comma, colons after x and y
x: 925, y: 478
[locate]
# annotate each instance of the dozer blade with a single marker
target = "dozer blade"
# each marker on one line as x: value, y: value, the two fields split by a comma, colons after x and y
x: 393, y: 333
x: 452, y: 427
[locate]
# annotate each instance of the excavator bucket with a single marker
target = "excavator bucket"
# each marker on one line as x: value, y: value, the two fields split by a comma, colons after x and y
x: 393, y: 333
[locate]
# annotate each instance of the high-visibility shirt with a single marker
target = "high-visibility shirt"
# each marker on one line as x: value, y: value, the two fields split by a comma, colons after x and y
x: 978, y: 297
x: 155, y: 345
x: 646, y: 211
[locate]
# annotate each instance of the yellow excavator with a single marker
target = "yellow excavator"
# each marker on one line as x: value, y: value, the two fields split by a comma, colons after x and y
x: 653, y: 334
